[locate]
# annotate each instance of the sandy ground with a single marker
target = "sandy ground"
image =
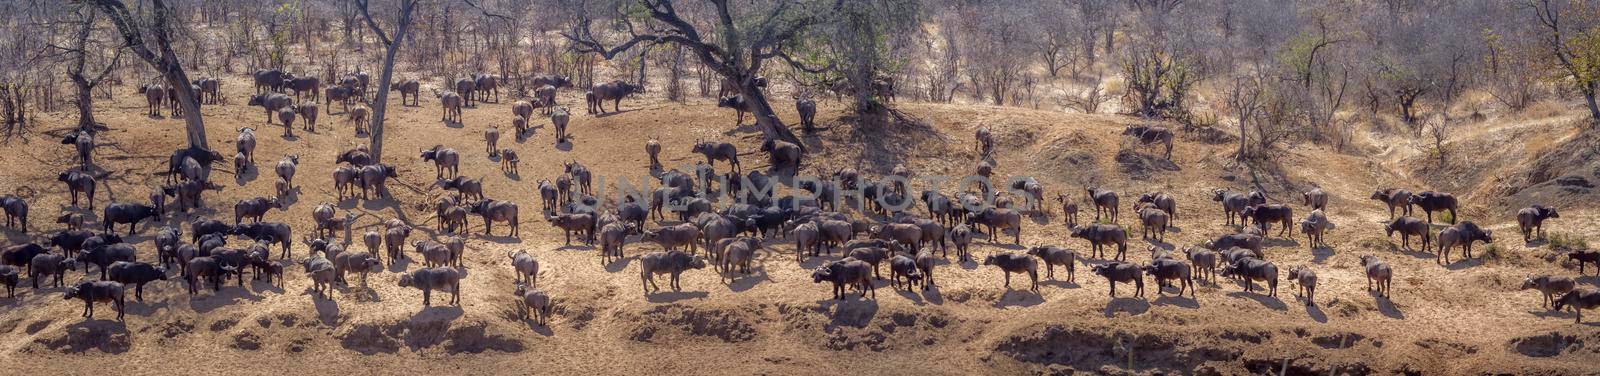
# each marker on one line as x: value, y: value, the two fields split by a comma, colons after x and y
x: 1463, y: 318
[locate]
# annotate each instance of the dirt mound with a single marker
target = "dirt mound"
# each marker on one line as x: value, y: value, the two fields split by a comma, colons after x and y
x: 1564, y: 177
x: 1067, y: 155
x: 1446, y: 348
x: 1341, y: 340
x: 101, y: 336
x: 369, y: 339
x: 476, y: 338
x: 1138, y: 349
x: 1556, y: 344
x: 898, y: 330
x: 577, y: 307
x: 1099, y: 348
x: 1554, y: 165
x: 673, y: 322
x: 173, y: 329
x: 246, y: 341
x: 847, y: 326
x: 1139, y: 166
x: 36, y: 326
x: 424, y: 335
x: 224, y: 324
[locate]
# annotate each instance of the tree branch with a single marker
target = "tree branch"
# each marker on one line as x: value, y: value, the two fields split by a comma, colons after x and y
x: 365, y: 14
x: 110, y: 66
x: 665, y: 13
x: 486, y: 12
x: 681, y: 33
x: 801, y: 66
x: 118, y: 13
x: 587, y: 43
x: 766, y: 27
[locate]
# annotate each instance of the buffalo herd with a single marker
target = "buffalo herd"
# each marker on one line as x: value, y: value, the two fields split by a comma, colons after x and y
x: 723, y: 228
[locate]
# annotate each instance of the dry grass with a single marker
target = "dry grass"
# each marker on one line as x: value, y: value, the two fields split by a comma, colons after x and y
x: 777, y: 321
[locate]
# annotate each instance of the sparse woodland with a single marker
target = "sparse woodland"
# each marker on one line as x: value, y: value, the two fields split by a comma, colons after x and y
x: 270, y: 157
x: 1275, y: 71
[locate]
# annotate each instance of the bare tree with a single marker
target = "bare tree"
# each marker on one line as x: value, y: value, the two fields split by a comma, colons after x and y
x: 1244, y: 99
x: 1322, y: 83
x: 19, y: 66
x: 1438, y: 130
x: 735, y: 50
x: 140, y: 35
x: 1276, y: 117
x: 1156, y: 81
x: 945, y: 53
x: 994, y: 60
x: 1570, y: 40
x: 82, y: 51
x: 391, y: 44
x: 1098, y: 19
x: 1160, y: 62
x: 1093, y: 97
x: 1510, y: 82
x: 1054, y: 38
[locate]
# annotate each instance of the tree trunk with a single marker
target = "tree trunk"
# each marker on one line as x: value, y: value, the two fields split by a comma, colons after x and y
x: 163, y: 60
x: 1050, y: 55
x: 675, y: 76
x: 1111, y: 31
x: 75, y: 73
x: 11, y: 107
x: 644, y: 53
x: 771, y: 126
x: 194, y: 124
x: 85, y: 102
x: 998, y: 91
x: 1088, y: 49
x: 703, y: 81
x: 1405, y: 109
x: 380, y: 101
x: 1243, y: 135
x: 1588, y: 97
